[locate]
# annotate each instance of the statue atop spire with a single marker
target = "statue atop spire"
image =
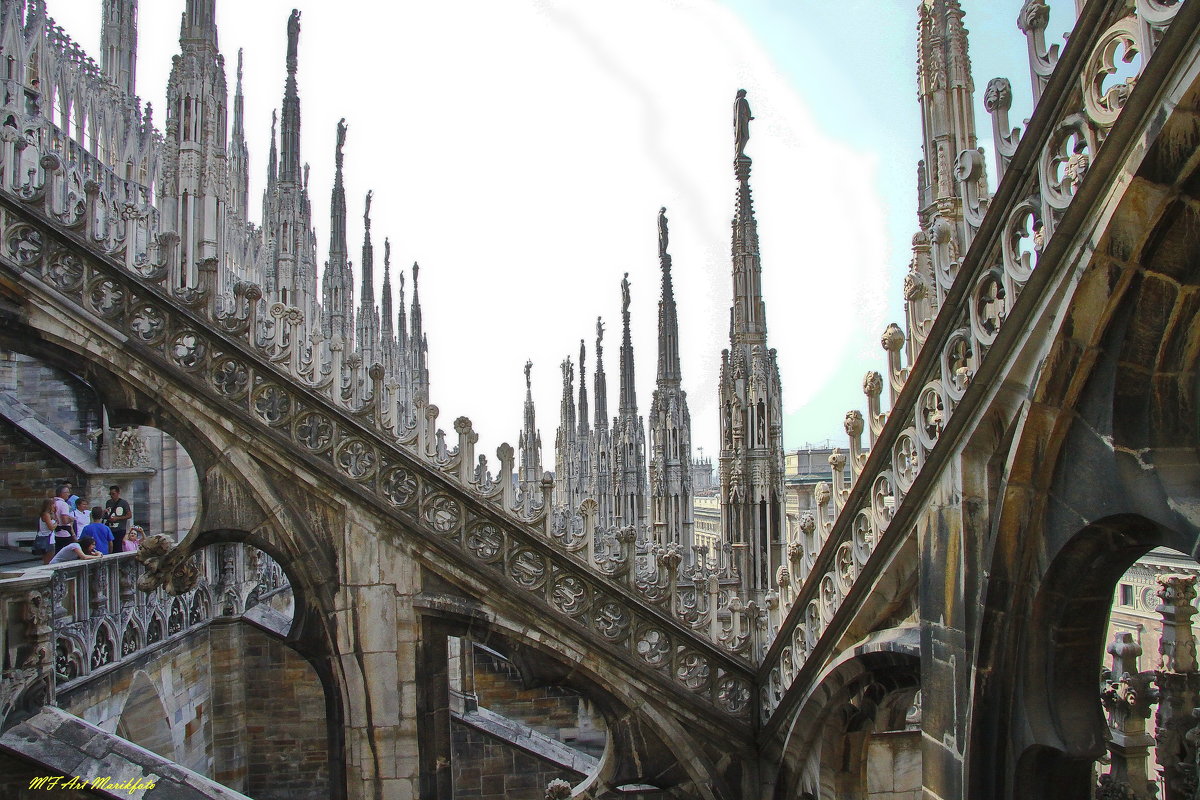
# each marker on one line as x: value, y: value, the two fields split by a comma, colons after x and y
x: 293, y: 34
x: 751, y: 416
x: 528, y: 379
x: 341, y: 130
x: 741, y: 124
x: 662, y: 232
x: 367, y: 210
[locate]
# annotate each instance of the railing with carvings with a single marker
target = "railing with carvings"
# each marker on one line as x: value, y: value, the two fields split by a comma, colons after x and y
x: 1168, y: 692
x: 59, y: 123
x: 956, y: 302
x: 65, y: 624
x: 262, y: 372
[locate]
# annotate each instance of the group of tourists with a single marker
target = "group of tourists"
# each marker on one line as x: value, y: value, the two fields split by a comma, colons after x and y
x: 69, y: 528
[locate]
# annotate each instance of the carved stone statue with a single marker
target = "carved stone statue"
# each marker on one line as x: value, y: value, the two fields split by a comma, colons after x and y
x: 741, y: 123
x: 528, y: 368
x: 293, y: 30
x: 341, y: 139
x: 367, y: 210
x: 130, y: 450
x: 625, y: 293
x: 662, y: 231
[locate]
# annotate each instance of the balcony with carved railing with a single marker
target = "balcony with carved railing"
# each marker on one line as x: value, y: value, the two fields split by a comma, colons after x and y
x: 63, y: 625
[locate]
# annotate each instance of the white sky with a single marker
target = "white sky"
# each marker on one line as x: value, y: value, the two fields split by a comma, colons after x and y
x: 520, y: 150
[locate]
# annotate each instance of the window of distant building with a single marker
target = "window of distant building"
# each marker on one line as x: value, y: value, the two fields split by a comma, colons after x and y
x: 1126, y: 594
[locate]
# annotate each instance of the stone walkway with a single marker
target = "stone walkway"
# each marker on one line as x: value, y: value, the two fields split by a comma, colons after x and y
x: 10, y: 557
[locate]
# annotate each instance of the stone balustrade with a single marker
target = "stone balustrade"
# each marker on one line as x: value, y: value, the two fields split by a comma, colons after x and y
x: 64, y: 624
x: 91, y: 238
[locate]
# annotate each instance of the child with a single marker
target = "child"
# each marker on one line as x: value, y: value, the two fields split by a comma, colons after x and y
x: 98, y: 531
x: 133, y: 539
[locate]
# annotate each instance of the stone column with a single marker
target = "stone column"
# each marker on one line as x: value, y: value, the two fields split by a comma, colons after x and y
x: 1126, y: 695
x: 379, y: 633
x: 1178, y: 682
x: 433, y: 714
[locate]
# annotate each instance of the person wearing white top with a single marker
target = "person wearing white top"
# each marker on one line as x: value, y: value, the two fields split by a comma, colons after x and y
x: 82, y: 514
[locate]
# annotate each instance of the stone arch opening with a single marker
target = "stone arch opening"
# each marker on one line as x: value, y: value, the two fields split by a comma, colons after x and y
x: 1149, y: 641
x: 856, y: 733
x: 55, y: 426
x: 143, y: 718
x: 295, y: 639
x: 1074, y: 719
x: 646, y: 755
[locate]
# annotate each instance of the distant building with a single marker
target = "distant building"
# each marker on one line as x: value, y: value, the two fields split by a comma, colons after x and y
x: 702, y: 475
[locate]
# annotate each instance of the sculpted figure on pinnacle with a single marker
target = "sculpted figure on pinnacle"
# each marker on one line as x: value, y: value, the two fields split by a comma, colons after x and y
x: 741, y: 123
x: 662, y: 231
x: 293, y: 30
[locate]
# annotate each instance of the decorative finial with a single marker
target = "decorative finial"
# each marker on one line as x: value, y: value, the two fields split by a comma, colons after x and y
x: 662, y: 231
x: 239, y: 69
x: 274, y: 119
x: 367, y: 212
x: 341, y: 141
x: 741, y: 123
x: 528, y: 382
x: 293, y: 30
x: 416, y: 269
x: 625, y: 294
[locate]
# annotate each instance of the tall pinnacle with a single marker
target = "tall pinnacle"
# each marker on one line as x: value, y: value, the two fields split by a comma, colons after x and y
x: 200, y: 22
x: 530, y: 423
x: 273, y: 156
x: 289, y: 135
x: 583, y: 397
x: 669, y: 372
x: 367, y: 331
x: 419, y: 347
x: 567, y: 409
x: 386, y: 329
x: 239, y: 153
x: 530, y: 442
x: 416, y: 306
x: 368, y: 258
x: 749, y: 324
x: 337, y: 203
x: 118, y: 43
x: 401, y: 319
x: 628, y: 394
x: 601, y: 383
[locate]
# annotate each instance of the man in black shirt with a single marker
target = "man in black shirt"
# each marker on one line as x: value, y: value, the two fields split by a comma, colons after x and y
x: 117, y: 514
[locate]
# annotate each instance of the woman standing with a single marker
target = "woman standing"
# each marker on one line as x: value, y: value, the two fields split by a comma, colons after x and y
x: 45, y: 529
